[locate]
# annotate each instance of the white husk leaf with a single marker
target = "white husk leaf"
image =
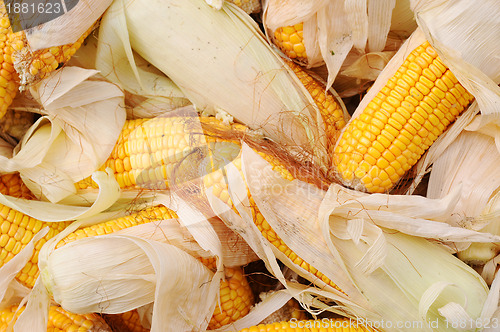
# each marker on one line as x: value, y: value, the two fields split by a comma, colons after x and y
x: 379, y: 22
x: 357, y: 16
x: 66, y: 29
x: 393, y: 270
x: 91, y: 274
x: 81, y: 122
x: 118, y: 63
x: 368, y: 66
x: 473, y: 60
x: 109, y: 192
x: 280, y: 13
x: 471, y: 162
x: 267, y: 97
x: 334, y: 38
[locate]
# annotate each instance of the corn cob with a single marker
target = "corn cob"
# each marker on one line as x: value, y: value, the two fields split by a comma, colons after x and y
x: 290, y: 41
x: 8, y: 76
x: 333, y: 115
x: 34, y: 66
x: 249, y: 6
x: 151, y: 143
x: 13, y: 185
x: 324, y: 325
x: 149, y: 150
x: 407, y: 115
x: 236, y: 299
x: 215, y: 180
x: 60, y: 320
x: 235, y: 294
x: 151, y: 214
x: 15, y: 55
x: 15, y: 123
x: 16, y: 230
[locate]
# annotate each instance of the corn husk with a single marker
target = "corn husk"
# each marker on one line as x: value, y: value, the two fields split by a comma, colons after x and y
x: 151, y: 261
x: 332, y: 28
x: 264, y: 94
x: 385, y: 274
x: 67, y: 28
x: 80, y: 123
x: 91, y: 274
x: 118, y: 63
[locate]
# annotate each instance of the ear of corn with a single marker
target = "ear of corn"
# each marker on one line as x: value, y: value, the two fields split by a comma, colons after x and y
x: 15, y: 123
x: 333, y: 114
x: 17, y: 229
x: 59, y: 320
x: 323, y: 325
x: 34, y: 66
x: 16, y: 59
x: 8, y: 76
x: 217, y: 182
x: 235, y: 297
x: 12, y: 185
x: 398, y: 125
x: 149, y: 151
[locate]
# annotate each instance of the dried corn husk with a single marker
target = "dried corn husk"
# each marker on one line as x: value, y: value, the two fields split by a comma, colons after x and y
x: 118, y: 63
x: 333, y: 27
x: 263, y: 93
x: 361, y: 236
x: 91, y: 274
x: 67, y: 28
x: 80, y: 123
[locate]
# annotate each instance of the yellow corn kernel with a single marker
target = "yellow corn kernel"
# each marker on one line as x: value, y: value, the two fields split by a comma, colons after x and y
x: 151, y: 214
x: 151, y: 150
x: 331, y: 112
x: 290, y: 41
x: 12, y: 185
x: 430, y: 98
x: 17, y: 229
x: 8, y: 76
x: 235, y: 297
